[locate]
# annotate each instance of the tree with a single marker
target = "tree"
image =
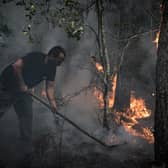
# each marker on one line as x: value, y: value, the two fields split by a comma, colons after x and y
x: 104, y: 57
x: 161, y: 111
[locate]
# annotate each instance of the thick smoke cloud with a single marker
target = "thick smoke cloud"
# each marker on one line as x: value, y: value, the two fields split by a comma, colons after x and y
x: 75, y: 72
x: 70, y: 76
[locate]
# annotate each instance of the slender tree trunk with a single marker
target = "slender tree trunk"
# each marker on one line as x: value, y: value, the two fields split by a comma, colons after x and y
x: 161, y: 111
x: 104, y: 59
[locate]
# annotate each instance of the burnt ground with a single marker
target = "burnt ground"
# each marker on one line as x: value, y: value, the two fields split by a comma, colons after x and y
x: 68, y: 149
x: 88, y: 155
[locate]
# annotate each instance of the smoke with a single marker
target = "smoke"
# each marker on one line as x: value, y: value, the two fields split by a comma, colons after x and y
x: 73, y: 75
x: 15, y: 43
x: 82, y: 108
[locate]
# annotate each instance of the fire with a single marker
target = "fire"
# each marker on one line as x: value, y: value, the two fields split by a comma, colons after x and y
x: 99, y: 67
x: 138, y: 108
x: 131, y: 117
x: 113, y: 89
x: 99, y: 94
x: 157, y: 39
x: 148, y: 135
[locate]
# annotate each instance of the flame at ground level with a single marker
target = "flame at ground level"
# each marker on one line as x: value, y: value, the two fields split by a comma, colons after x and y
x: 131, y: 117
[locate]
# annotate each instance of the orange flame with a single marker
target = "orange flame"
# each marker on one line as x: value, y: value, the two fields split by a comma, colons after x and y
x: 129, y: 119
x: 99, y: 67
x: 113, y: 90
x: 157, y: 39
x: 99, y: 94
x: 138, y: 108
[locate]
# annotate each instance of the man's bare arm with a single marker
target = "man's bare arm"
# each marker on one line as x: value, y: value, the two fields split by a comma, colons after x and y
x: 43, y: 89
x: 50, y: 89
x: 18, y: 66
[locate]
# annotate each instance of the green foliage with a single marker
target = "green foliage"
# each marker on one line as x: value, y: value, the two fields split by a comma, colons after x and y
x: 69, y: 17
x: 27, y: 32
x: 32, y: 9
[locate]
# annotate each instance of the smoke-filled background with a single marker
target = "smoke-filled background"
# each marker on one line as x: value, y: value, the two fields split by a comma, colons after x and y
x: 134, y: 21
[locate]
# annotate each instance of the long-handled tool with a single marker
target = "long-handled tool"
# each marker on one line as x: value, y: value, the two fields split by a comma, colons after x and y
x: 72, y: 123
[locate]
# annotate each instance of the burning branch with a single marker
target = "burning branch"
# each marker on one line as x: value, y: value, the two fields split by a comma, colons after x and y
x: 99, y: 93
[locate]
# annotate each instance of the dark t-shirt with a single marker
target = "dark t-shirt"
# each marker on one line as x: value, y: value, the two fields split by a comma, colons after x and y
x: 34, y: 71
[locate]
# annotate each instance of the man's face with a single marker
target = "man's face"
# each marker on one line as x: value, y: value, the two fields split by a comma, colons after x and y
x: 60, y: 59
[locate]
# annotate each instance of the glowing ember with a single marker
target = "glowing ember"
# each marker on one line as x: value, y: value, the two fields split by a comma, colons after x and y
x: 157, y: 39
x: 148, y: 135
x: 99, y: 96
x: 99, y: 67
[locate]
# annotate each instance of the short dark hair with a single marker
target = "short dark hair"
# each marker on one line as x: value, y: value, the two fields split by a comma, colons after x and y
x: 55, y: 51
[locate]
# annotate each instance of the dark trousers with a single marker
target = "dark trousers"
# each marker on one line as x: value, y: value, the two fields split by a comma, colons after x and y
x: 22, y: 104
x: 23, y: 109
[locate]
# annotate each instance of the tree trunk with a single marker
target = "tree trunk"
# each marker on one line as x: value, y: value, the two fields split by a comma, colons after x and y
x: 122, y: 96
x: 161, y: 111
x: 104, y: 60
x: 123, y: 90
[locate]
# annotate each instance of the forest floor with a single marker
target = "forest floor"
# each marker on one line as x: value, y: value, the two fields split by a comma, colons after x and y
x: 88, y: 155
x: 68, y: 148
x: 52, y: 152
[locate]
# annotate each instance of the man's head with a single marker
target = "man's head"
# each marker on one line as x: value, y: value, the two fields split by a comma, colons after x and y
x: 56, y: 54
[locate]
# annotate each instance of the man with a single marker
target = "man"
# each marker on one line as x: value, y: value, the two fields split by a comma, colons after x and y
x: 22, y: 75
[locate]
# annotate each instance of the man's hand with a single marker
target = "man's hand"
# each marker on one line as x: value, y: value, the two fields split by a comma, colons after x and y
x: 53, y: 109
x: 53, y: 105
